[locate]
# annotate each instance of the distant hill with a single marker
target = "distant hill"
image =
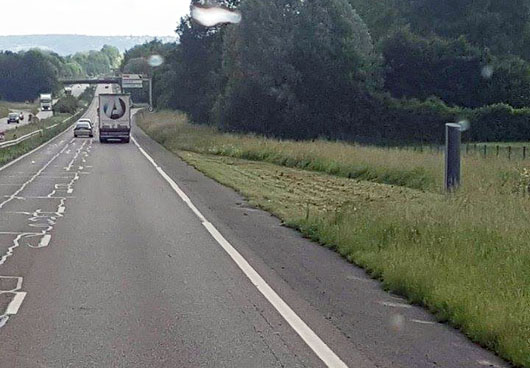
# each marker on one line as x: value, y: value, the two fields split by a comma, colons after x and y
x: 70, y: 44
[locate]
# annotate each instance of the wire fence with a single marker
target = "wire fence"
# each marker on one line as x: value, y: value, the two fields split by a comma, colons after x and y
x: 485, y: 150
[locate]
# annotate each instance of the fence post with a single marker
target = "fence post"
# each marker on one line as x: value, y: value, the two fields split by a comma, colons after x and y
x: 453, y: 136
x: 485, y: 150
x: 509, y: 152
x: 497, y: 150
x: 524, y: 152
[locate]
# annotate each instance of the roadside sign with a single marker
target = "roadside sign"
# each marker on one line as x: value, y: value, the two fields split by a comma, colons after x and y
x: 132, y: 81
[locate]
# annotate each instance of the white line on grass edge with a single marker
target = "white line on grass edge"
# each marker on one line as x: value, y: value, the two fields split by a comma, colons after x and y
x: 316, y: 344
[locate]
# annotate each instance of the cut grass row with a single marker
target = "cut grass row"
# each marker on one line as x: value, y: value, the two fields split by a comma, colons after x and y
x: 465, y: 257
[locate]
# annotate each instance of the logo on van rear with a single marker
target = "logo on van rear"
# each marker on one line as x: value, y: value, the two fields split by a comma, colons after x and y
x: 114, y: 108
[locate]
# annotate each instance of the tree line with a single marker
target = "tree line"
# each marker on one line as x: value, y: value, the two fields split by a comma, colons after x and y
x: 24, y: 75
x: 375, y: 71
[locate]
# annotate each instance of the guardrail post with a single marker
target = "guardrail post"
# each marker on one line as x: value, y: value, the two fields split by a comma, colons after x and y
x: 453, y: 136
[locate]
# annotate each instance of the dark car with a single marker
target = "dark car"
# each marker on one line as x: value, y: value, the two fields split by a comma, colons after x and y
x: 83, y: 128
x: 13, y: 117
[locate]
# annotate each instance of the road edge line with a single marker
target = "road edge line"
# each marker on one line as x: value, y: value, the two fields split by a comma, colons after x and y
x: 312, y: 340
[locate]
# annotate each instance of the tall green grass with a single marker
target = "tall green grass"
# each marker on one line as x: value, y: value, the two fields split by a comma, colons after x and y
x: 418, y: 170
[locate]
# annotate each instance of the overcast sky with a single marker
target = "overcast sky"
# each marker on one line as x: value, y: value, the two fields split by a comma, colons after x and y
x: 92, y: 17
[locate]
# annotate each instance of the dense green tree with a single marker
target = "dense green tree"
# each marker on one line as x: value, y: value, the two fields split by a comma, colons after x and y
x: 453, y: 70
x: 501, y: 26
x: 23, y: 76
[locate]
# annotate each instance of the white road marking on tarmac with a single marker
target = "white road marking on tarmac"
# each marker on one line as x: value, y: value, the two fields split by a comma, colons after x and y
x: 45, y: 241
x: 487, y: 363
x: 10, y: 250
x: 421, y: 322
x: 395, y: 305
x: 19, y: 283
x: 30, y: 180
x: 15, y: 304
x: 312, y: 340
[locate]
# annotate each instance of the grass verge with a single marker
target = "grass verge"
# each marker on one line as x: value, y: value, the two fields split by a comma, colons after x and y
x: 6, y: 107
x: 465, y: 257
x: 11, y: 153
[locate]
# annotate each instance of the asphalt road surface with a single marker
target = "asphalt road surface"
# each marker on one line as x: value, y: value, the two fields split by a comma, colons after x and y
x: 120, y: 255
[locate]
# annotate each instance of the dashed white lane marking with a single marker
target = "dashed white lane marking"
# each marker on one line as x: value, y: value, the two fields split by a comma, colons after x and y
x: 312, y: 340
x: 30, y: 180
x: 421, y: 322
x: 61, y: 209
x: 487, y: 363
x: 45, y: 241
x: 395, y: 305
x: 69, y: 167
x: 15, y: 304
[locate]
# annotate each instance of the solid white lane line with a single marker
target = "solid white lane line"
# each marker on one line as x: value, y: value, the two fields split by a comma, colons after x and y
x: 15, y: 304
x: 316, y: 344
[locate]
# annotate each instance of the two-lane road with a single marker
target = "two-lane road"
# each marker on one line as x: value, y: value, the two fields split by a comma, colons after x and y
x: 119, y: 255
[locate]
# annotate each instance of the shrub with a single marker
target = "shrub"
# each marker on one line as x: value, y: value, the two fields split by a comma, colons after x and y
x: 66, y: 105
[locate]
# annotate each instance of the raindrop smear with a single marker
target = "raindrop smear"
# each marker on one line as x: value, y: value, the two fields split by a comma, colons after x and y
x: 212, y: 16
x: 397, y: 322
x: 156, y: 60
x: 464, y: 125
x: 487, y: 72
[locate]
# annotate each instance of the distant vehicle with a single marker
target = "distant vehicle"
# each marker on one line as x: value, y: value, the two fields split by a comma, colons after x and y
x: 114, y: 117
x: 46, y: 102
x: 67, y: 90
x: 106, y: 87
x: 13, y: 117
x: 83, y: 128
x: 21, y: 116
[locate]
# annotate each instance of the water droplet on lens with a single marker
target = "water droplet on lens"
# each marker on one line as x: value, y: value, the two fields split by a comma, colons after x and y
x: 213, y: 16
x: 156, y: 60
x: 487, y: 71
x: 464, y: 125
x: 397, y: 322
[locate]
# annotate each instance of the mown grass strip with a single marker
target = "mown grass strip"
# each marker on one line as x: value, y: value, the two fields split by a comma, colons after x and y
x: 466, y: 271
